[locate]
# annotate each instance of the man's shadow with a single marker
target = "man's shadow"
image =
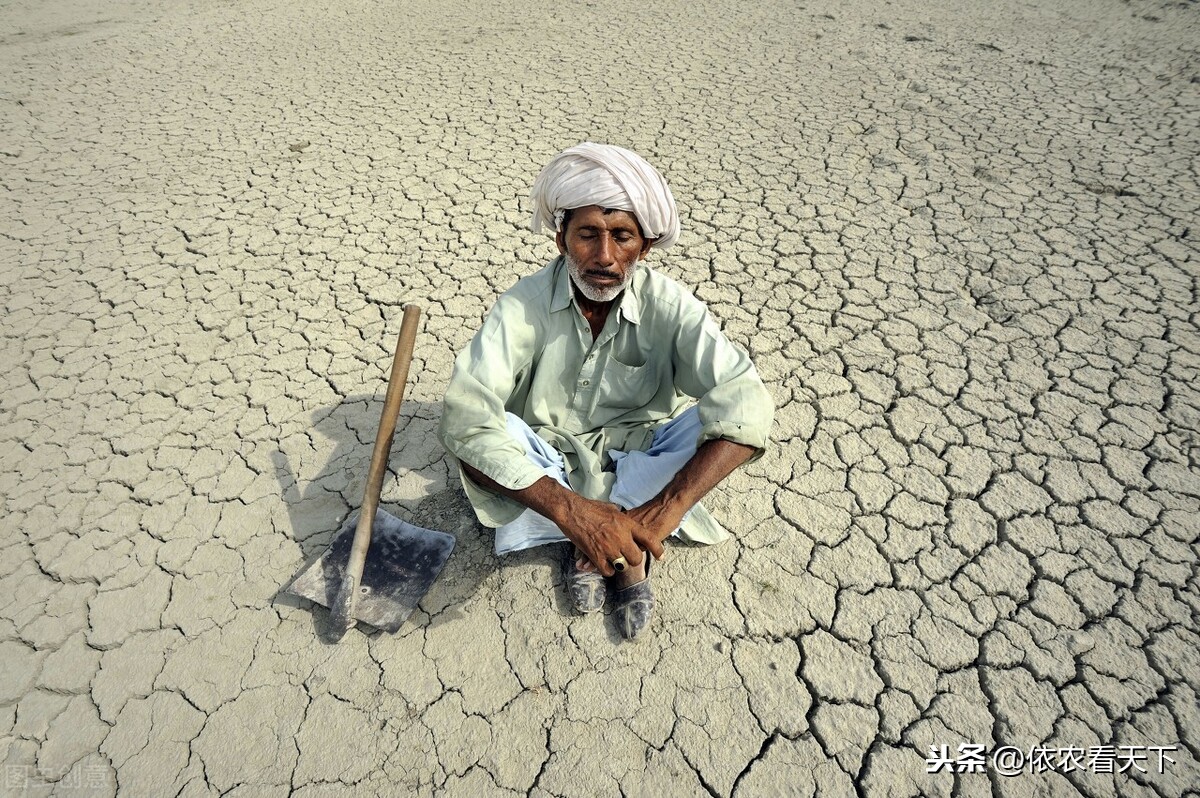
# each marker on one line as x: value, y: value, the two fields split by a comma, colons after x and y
x: 420, y: 487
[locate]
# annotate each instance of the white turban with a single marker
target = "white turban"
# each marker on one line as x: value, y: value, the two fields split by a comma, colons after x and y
x: 611, y: 177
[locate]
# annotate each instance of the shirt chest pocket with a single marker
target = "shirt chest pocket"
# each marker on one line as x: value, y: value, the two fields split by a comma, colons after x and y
x: 627, y: 387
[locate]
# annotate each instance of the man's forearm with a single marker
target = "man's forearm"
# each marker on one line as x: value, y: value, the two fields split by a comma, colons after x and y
x: 712, y: 462
x: 545, y: 496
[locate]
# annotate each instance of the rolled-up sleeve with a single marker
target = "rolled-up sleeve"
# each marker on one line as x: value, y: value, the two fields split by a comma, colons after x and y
x: 732, y: 400
x: 473, y: 427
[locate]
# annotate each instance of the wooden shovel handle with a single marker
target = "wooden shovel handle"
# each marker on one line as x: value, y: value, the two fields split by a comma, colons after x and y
x: 343, y: 605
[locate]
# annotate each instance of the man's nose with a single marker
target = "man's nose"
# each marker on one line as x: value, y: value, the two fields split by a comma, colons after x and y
x: 606, y: 250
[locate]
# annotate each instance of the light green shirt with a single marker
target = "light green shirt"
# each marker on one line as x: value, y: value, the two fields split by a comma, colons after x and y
x: 534, y: 357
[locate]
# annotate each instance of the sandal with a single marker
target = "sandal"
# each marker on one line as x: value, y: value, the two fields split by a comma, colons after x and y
x: 586, y: 588
x: 635, y: 605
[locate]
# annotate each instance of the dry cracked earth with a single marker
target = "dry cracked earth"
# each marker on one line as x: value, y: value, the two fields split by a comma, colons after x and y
x: 959, y: 240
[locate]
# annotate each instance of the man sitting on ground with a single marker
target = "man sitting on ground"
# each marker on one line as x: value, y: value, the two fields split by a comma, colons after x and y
x: 569, y: 413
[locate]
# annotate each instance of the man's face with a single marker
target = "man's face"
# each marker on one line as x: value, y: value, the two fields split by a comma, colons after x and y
x: 602, y: 247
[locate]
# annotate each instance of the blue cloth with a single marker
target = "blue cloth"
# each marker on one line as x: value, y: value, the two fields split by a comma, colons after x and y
x: 639, y: 475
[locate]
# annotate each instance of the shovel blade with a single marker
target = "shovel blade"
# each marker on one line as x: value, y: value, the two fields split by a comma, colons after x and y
x: 402, y: 562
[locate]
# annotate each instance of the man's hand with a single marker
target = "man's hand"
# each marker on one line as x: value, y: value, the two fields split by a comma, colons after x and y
x: 661, y: 516
x: 652, y: 524
x: 599, y: 529
x: 602, y: 532
x: 655, y: 523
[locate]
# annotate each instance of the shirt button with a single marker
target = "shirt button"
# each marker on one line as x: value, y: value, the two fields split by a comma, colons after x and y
x: 586, y: 383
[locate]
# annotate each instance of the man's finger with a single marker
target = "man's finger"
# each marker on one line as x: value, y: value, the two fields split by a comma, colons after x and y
x: 603, y: 565
x: 651, y: 544
x: 603, y: 568
x: 591, y: 551
x: 633, y: 554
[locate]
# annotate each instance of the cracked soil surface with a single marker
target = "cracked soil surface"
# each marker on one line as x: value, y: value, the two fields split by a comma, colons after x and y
x: 959, y: 240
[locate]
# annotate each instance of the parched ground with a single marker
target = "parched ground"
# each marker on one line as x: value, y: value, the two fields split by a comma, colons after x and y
x: 959, y: 240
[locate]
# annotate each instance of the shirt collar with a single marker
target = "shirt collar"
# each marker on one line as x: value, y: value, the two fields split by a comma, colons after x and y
x: 630, y: 299
x: 560, y: 298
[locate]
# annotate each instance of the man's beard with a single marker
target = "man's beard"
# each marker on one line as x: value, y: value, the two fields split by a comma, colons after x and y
x: 595, y: 293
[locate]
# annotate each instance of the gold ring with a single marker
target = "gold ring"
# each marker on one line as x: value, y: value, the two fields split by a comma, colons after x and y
x: 620, y: 563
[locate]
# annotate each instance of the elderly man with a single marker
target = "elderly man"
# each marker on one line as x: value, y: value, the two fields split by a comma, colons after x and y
x: 569, y: 411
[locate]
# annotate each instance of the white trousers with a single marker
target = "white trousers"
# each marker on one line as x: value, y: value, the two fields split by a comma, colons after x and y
x: 639, y: 475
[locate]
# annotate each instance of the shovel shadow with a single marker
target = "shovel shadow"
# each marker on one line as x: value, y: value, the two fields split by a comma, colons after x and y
x: 420, y: 487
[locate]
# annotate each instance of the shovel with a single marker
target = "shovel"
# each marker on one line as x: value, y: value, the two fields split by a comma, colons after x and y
x: 378, y: 567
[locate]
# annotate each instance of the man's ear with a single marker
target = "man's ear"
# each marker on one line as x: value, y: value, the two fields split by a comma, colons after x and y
x: 646, y: 244
x: 560, y: 238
